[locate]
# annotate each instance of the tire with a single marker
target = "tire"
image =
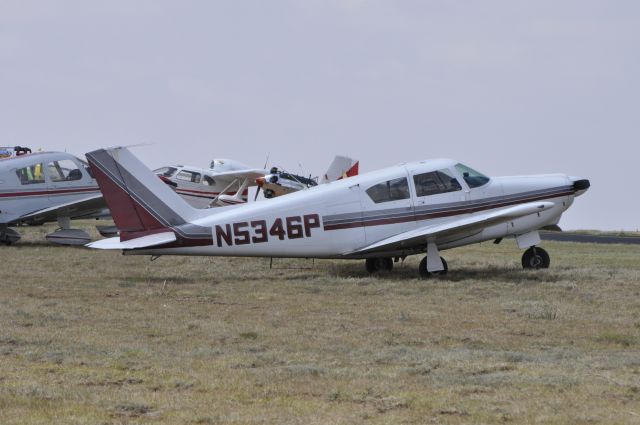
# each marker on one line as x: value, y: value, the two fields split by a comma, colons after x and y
x: 425, y: 274
x: 373, y: 265
x: 535, y: 258
x: 387, y: 264
x: 268, y: 193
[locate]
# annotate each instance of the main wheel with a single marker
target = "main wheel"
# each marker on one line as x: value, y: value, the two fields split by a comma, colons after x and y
x: 268, y: 193
x: 535, y: 258
x: 424, y: 273
x: 374, y: 265
x: 387, y: 264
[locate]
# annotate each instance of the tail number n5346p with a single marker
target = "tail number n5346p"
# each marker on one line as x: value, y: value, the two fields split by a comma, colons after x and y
x: 259, y: 231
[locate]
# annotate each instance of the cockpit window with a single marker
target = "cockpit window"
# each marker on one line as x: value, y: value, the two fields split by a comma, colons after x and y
x: 188, y: 176
x: 165, y: 171
x: 472, y: 177
x: 208, y: 180
x: 391, y: 190
x: 32, y: 174
x: 435, y: 182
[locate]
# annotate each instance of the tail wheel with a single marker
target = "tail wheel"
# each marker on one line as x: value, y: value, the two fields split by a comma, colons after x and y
x: 535, y: 258
x: 425, y: 274
x: 374, y: 265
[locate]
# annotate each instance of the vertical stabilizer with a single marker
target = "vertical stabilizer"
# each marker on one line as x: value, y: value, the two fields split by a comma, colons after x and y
x: 140, y: 203
x: 341, y: 167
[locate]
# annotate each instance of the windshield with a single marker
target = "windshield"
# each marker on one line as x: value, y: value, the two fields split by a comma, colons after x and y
x: 472, y: 177
x: 165, y: 171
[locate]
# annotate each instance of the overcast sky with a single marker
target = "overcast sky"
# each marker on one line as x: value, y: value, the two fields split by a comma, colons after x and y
x: 509, y: 87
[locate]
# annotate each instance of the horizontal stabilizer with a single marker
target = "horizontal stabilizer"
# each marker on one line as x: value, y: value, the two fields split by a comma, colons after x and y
x: 143, y: 242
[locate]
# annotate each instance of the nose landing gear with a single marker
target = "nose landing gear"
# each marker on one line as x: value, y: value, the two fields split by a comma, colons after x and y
x: 425, y: 274
x: 535, y: 258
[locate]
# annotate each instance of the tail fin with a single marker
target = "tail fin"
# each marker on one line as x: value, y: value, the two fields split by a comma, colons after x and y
x: 341, y: 167
x: 141, y: 204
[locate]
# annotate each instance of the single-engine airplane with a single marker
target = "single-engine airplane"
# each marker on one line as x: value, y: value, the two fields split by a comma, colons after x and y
x: 278, y: 182
x: 413, y: 208
x: 224, y: 183
x: 49, y: 186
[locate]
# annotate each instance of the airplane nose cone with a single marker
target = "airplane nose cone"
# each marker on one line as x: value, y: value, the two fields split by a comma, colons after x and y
x: 260, y: 181
x: 582, y: 184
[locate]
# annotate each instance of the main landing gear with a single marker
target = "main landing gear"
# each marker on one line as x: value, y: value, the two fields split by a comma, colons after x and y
x: 374, y: 265
x: 535, y: 258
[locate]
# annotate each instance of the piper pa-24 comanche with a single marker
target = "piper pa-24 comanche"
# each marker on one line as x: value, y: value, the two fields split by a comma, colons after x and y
x: 381, y: 216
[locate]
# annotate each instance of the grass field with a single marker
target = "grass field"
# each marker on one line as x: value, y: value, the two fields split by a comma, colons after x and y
x: 92, y: 337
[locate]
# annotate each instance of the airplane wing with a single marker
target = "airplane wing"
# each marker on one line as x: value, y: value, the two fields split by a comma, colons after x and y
x: 418, y: 237
x: 142, y: 242
x: 250, y: 174
x: 85, y: 206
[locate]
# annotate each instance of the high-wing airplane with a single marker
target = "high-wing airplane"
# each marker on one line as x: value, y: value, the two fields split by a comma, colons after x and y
x: 414, y: 208
x: 225, y: 183
x: 279, y: 182
x: 50, y: 186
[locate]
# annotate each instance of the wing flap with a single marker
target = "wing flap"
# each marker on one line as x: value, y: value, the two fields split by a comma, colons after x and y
x: 143, y: 242
x: 93, y: 202
x: 420, y: 236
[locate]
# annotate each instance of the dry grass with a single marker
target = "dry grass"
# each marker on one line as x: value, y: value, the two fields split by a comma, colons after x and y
x: 98, y: 338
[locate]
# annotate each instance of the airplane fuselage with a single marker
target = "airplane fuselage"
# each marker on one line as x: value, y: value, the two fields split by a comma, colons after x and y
x: 336, y: 219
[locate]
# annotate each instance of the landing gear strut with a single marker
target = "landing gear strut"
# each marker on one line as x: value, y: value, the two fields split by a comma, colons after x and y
x: 535, y: 258
x: 374, y: 265
x: 424, y: 273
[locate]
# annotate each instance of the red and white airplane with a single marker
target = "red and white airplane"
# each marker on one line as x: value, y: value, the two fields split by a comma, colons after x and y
x: 414, y: 208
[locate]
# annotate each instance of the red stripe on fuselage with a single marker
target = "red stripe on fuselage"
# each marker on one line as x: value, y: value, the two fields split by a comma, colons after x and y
x: 49, y: 192
x: 438, y: 214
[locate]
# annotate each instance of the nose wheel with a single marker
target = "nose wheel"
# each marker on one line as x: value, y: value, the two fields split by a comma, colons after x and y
x: 535, y: 258
x: 425, y: 274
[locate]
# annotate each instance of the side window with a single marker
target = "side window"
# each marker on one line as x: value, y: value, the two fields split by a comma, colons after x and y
x: 391, y: 190
x: 441, y: 181
x: 64, y: 171
x: 188, y: 176
x: 32, y: 174
x: 208, y: 181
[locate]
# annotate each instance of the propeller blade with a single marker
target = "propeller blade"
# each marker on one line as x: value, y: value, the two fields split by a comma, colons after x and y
x: 257, y: 193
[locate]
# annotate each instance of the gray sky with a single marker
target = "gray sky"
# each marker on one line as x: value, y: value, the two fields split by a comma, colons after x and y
x: 509, y: 87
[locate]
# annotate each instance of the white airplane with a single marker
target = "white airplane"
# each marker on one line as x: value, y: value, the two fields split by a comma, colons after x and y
x: 225, y: 183
x: 278, y: 182
x: 44, y: 187
x: 414, y: 208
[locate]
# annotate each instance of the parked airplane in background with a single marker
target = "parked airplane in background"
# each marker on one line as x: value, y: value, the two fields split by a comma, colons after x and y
x: 44, y: 187
x: 225, y: 183
x: 414, y: 208
x: 13, y: 151
x: 278, y: 182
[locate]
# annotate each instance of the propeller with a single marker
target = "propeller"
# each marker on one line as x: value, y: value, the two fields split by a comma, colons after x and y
x: 257, y: 193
